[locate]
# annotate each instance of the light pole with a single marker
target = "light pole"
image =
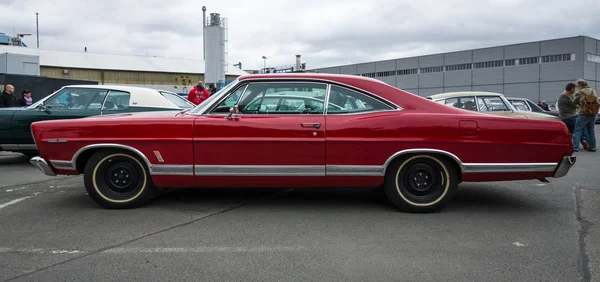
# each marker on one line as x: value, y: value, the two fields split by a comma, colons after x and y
x: 265, y: 61
x: 204, y: 33
x: 37, y: 28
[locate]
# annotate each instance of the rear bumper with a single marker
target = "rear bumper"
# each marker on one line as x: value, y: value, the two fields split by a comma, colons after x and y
x: 564, y: 166
x: 42, y: 165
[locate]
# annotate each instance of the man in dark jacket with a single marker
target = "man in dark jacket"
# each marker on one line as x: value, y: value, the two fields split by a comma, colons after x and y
x: 567, y: 110
x: 7, y: 99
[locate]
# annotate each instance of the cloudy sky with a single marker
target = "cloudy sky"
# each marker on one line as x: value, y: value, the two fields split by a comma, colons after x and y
x: 325, y: 32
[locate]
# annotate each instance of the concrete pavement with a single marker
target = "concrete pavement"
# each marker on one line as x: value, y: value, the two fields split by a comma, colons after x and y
x: 502, y: 231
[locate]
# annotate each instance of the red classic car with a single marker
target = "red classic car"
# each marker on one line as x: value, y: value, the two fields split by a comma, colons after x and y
x: 303, y: 130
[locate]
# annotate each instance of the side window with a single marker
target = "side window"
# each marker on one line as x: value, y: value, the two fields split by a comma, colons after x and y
x: 343, y: 100
x: 230, y: 101
x: 77, y: 99
x: 466, y: 103
x: 116, y: 101
x: 520, y: 105
x: 491, y: 104
x: 282, y: 98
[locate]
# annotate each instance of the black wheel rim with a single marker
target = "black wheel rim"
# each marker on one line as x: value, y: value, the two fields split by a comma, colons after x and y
x: 120, y: 178
x: 422, y: 180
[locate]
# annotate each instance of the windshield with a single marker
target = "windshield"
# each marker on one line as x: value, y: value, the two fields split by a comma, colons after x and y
x: 203, y: 105
x: 177, y: 100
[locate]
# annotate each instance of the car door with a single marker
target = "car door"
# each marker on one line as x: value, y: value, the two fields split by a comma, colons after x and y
x: 357, y: 142
x: 276, y: 138
x: 68, y: 103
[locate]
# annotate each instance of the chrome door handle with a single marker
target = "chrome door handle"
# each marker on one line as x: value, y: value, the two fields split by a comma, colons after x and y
x: 311, y: 124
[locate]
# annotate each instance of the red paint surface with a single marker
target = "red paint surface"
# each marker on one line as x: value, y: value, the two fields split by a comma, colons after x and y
x: 359, y: 139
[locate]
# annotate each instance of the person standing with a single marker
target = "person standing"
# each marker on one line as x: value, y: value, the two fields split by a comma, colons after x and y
x: 212, y: 89
x: 587, y: 100
x: 7, y: 99
x: 567, y: 110
x: 198, y: 94
x: 25, y: 100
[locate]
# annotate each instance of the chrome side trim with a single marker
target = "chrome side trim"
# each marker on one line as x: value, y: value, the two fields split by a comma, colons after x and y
x: 27, y: 146
x: 9, y: 147
x: 64, y: 165
x: 187, y: 170
x: 508, y: 167
x: 57, y: 140
x: 18, y: 147
x: 262, y: 170
x: 355, y: 170
x: 424, y: 150
x: 564, y: 166
x: 42, y: 165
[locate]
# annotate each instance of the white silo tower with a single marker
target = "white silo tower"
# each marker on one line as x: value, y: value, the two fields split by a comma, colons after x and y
x: 216, y: 50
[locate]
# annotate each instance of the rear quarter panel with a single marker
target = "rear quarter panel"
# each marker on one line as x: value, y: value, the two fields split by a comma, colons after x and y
x: 498, y: 140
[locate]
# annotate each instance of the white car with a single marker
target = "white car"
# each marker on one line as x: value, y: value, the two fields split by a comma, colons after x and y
x: 487, y: 102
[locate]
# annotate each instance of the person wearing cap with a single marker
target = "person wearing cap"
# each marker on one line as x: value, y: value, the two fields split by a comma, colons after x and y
x: 585, y: 120
x: 198, y: 94
x: 25, y: 100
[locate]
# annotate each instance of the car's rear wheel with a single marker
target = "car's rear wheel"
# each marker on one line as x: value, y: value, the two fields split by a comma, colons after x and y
x: 118, y: 180
x: 421, y: 183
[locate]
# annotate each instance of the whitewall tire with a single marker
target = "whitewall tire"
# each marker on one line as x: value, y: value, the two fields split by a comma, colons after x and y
x: 421, y: 183
x: 118, y: 179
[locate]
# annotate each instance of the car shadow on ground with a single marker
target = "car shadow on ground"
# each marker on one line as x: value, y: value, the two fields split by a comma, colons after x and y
x: 469, y: 198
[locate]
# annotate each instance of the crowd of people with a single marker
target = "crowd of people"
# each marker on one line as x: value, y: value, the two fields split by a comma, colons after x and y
x: 578, y: 107
x: 8, y: 99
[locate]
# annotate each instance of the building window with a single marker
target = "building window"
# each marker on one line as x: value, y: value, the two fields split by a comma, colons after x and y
x: 509, y: 62
x: 407, y: 72
x: 489, y: 64
x: 432, y: 69
x: 386, y: 73
x: 371, y: 75
x: 529, y: 61
x: 458, y: 67
x: 557, y: 58
x: 593, y: 58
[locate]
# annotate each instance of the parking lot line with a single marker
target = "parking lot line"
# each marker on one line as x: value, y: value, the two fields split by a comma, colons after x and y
x: 14, y: 202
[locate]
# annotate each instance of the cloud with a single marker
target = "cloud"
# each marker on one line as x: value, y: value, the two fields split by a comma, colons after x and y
x: 326, y: 33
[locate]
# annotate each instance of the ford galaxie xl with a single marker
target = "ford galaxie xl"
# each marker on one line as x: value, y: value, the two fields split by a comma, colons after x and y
x: 303, y: 130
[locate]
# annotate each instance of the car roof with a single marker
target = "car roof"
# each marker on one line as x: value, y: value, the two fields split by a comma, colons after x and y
x: 140, y: 96
x: 462, y: 94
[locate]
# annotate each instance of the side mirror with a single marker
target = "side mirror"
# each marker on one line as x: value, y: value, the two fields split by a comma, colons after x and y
x: 234, y: 113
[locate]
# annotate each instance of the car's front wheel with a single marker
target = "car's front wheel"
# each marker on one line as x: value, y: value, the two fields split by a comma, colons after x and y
x: 421, y: 183
x: 118, y: 180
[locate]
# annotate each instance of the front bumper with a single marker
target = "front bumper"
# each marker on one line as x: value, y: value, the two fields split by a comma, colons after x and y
x: 42, y: 165
x: 564, y: 166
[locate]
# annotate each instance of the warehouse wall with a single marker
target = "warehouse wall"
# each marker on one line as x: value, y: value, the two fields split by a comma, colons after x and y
x: 528, y: 70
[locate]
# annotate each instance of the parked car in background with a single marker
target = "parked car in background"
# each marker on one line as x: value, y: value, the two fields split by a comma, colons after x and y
x: 304, y: 130
x: 524, y: 104
x: 77, y: 101
x: 486, y: 102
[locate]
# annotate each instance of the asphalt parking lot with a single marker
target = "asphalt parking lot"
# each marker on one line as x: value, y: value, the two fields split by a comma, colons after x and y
x: 502, y: 231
